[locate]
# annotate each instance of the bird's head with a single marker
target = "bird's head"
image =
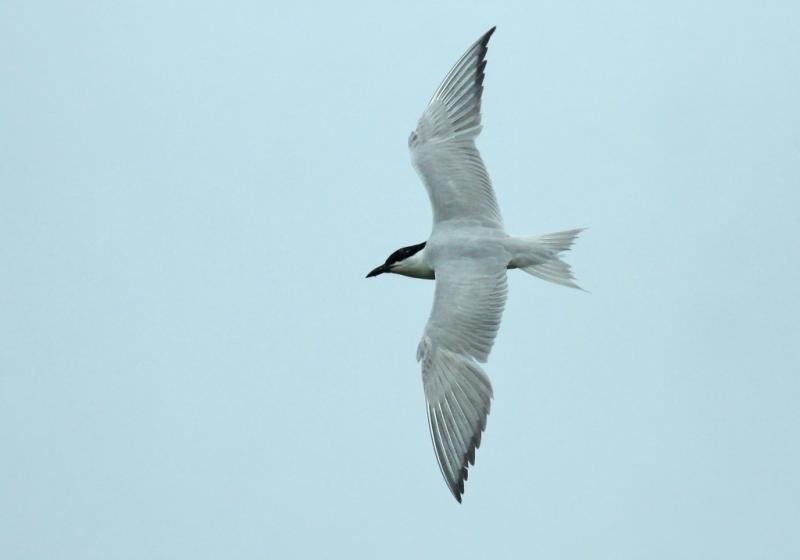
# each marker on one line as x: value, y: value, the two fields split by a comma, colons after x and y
x: 407, y: 261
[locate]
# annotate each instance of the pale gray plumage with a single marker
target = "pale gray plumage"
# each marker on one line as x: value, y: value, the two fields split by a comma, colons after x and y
x: 443, y: 145
x: 467, y: 309
x: 468, y: 253
x: 470, y: 294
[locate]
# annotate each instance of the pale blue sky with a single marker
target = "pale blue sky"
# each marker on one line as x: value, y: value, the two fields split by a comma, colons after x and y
x: 192, y: 364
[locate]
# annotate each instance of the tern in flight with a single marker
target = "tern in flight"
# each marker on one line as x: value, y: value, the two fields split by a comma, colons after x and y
x: 467, y: 253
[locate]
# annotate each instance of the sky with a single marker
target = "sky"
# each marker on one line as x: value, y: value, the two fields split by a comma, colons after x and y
x: 192, y: 364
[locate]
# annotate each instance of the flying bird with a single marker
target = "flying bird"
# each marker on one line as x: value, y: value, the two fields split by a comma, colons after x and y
x: 467, y: 253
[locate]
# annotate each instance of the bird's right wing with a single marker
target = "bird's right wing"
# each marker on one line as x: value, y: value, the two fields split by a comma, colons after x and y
x: 467, y: 309
x: 443, y: 145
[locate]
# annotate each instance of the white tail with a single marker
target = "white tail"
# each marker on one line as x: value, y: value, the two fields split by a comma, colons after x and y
x: 538, y: 255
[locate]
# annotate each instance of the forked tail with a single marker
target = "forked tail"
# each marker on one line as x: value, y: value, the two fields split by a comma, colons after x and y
x: 539, y: 255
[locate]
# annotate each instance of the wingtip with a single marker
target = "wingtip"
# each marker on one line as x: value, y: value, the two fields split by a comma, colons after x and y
x: 457, y: 486
x: 488, y: 35
x: 458, y: 490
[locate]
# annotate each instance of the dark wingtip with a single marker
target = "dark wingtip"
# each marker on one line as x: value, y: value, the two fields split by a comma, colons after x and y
x: 457, y: 487
x: 484, y: 40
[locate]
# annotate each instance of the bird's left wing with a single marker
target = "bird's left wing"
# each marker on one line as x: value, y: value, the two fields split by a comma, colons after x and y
x: 443, y: 145
x: 467, y: 309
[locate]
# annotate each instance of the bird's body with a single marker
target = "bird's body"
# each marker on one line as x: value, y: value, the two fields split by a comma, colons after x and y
x: 452, y: 240
x: 468, y: 253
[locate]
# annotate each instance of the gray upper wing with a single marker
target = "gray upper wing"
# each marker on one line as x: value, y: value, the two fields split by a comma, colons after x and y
x: 467, y: 310
x: 443, y: 145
